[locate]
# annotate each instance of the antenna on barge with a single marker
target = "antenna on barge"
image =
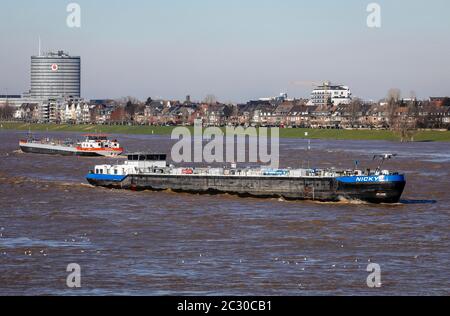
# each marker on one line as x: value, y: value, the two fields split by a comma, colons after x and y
x: 383, y: 158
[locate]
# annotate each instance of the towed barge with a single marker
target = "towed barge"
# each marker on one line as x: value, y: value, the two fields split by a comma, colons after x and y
x: 93, y: 145
x: 144, y: 171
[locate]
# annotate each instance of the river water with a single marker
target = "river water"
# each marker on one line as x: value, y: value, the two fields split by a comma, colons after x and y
x: 164, y: 243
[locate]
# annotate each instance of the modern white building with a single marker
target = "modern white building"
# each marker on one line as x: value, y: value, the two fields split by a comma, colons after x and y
x: 328, y: 95
x: 50, y: 110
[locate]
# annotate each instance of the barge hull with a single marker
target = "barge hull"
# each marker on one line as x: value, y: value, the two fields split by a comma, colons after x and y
x: 317, y: 189
x: 61, y: 152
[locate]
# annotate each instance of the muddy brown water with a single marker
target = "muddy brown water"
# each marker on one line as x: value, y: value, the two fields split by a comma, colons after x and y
x: 164, y: 243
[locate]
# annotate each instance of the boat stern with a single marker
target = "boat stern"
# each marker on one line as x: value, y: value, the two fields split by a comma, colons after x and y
x: 105, y: 180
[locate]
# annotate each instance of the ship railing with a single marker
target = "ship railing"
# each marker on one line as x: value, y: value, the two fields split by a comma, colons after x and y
x: 295, y: 173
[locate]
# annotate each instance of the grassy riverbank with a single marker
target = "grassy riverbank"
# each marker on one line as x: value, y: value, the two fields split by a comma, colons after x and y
x: 284, y: 133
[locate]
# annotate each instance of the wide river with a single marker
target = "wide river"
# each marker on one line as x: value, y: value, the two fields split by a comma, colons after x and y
x: 165, y: 243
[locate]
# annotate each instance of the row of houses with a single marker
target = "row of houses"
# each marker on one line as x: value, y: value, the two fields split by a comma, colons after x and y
x: 72, y: 110
x: 279, y: 111
x: 299, y: 113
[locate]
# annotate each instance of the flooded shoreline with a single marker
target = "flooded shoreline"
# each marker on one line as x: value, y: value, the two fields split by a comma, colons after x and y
x: 157, y: 243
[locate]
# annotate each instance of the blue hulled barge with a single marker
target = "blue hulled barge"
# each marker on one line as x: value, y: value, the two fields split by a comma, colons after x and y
x: 144, y: 171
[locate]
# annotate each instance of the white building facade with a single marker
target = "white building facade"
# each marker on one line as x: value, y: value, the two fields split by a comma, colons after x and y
x: 76, y: 111
x: 60, y: 110
x: 330, y: 95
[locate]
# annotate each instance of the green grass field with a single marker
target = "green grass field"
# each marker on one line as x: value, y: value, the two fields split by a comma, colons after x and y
x: 284, y: 133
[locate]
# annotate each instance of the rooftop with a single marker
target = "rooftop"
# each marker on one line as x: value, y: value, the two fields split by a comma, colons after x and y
x: 58, y: 54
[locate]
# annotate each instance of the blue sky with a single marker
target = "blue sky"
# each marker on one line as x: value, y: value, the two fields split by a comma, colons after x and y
x: 234, y: 49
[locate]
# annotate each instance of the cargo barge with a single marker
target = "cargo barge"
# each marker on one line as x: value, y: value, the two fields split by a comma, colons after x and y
x: 143, y: 171
x: 93, y: 145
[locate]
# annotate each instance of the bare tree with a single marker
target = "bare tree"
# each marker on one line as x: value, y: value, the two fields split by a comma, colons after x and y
x: 6, y: 111
x: 130, y: 109
x: 131, y: 106
x: 355, y: 109
x: 393, y: 102
x: 406, y: 122
x: 210, y: 99
x: 124, y: 100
